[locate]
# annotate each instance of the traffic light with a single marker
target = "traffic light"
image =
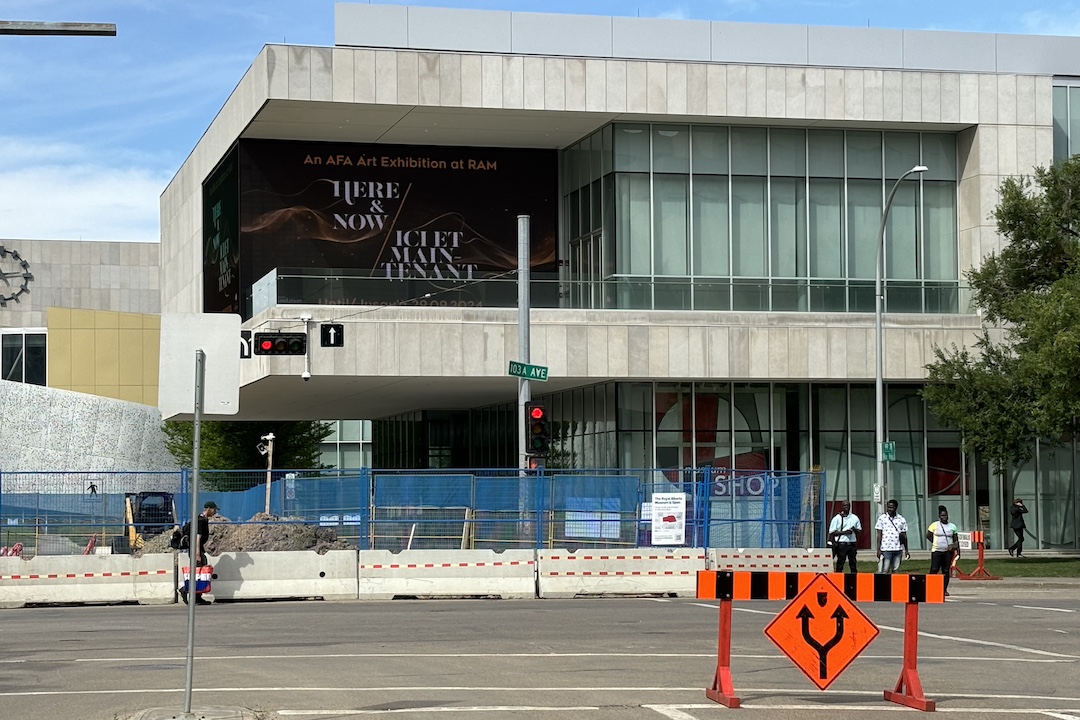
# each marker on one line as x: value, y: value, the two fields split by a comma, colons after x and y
x: 283, y: 343
x: 538, y: 432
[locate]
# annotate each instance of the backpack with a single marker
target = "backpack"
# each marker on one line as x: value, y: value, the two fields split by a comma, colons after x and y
x: 181, y: 538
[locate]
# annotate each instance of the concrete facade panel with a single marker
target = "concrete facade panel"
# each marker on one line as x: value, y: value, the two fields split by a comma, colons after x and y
x: 756, y: 91
x: 342, y: 79
x: 321, y: 66
x: 575, y: 84
x: 513, y: 83
x: 697, y: 89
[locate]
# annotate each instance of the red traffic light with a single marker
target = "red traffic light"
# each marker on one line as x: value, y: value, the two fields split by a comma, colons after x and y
x: 539, y: 434
x: 283, y: 343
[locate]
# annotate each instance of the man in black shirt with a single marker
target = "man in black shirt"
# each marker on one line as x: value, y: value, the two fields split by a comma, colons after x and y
x: 202, y: 536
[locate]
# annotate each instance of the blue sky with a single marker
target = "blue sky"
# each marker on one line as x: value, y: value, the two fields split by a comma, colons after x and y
x: 93, y: 128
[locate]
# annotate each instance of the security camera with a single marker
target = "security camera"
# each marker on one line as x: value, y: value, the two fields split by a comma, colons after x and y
x: 305, y: 317
x: 305, y: 376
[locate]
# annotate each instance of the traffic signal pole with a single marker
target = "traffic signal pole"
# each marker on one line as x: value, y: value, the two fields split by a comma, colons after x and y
x: 524, y: 393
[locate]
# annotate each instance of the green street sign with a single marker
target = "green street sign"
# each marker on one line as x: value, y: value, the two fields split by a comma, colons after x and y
x: 888, y: 451
x: 529, y: 372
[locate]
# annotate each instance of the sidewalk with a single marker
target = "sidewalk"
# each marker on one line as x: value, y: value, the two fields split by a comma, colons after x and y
x: 211, y: 713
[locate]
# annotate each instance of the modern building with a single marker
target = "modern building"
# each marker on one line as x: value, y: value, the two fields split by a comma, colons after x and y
x: 704, y: 203
x: 79, y: 325
x: 80, y: 320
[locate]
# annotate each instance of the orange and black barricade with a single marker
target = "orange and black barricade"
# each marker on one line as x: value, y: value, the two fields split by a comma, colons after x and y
x: 727, y: 586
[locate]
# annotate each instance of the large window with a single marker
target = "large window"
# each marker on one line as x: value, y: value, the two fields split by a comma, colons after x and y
x: 756, y: 218
x: 23, y: 356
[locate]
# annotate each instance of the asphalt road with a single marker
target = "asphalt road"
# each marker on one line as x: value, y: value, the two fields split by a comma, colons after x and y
x: 1009, y: 649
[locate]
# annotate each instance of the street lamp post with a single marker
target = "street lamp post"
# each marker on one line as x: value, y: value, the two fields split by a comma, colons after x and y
x: 880, y: 488
x: 269, y: 453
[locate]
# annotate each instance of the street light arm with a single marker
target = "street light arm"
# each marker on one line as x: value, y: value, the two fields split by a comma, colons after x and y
x: 879, y: 302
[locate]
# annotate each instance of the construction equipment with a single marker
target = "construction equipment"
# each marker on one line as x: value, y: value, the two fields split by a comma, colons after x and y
x: 146, y: 514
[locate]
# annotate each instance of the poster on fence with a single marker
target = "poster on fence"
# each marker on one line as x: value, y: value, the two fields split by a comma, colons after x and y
x: 668, y: 518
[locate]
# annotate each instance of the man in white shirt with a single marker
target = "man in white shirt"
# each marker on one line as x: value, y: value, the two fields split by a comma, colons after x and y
x: 843, y: 534
x: 892, y: 540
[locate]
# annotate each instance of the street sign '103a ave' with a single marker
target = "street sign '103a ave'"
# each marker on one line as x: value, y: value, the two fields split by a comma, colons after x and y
x: 529, y: 372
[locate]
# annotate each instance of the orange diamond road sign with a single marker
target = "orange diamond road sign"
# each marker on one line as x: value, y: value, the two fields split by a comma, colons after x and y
x: 821, y: 631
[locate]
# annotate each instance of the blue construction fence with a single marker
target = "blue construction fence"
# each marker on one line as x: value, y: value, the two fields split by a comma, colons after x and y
x: 66, y: 513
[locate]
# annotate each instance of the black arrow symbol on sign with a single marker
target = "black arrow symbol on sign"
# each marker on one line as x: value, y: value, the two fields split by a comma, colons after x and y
x: 822, y: 650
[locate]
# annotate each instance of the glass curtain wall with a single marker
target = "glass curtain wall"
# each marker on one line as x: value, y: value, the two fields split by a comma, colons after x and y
x: 819, y: 427
x: 1066, y: 118
x: 666, y: 216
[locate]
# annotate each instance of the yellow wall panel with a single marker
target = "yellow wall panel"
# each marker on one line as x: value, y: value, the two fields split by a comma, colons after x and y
x: 110, y: 354
x: 107, y: 358
x: 106, y: 319
x: 82, y: 358
x: 130, y: 393
x: 109, y: 391
x: 131, y: 357
x: 82, y: 319
x: 59, y: 318
x: 58, y: 347
x: 151, y: 356
x: 133, y: 321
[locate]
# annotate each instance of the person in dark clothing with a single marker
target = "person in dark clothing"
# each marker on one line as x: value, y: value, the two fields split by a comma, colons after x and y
x: 1018, y: 526
x: 202, y: 536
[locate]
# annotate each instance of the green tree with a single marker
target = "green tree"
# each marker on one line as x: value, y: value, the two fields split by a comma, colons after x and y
x: 227, y: 445
x: 1022, y: 381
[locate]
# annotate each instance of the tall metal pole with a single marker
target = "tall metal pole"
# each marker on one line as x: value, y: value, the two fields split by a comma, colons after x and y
x: 880, y: 484
x: 193, y: 530
x: 269, y: 438
x: 524, y: 394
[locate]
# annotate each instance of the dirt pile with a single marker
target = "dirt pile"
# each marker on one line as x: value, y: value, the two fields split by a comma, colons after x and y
x: 261, y: 533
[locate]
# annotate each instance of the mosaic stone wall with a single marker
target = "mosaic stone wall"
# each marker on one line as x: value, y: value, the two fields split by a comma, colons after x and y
x: 47, y: 429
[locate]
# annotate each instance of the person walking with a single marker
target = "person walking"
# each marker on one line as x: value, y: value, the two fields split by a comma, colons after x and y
x: 202, y: 536
x: 944, y: 544
x: 844, y: 532
x: 892, y: 542
x: 1018, y: 526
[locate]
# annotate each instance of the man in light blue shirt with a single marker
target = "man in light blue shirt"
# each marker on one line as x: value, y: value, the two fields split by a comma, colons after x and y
x: 843, y: 534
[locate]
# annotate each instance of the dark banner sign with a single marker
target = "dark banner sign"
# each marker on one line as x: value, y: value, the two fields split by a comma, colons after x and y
x: 221, y: 238
x: 402, y: 218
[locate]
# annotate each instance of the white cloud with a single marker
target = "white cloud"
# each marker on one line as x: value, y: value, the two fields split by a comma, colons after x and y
x: 80, y: 202
x: 1048, y: 22
x: 677, y: 13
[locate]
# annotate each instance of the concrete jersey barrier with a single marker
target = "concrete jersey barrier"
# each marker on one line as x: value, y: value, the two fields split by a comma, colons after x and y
x: 385, y: 575
x: 633, y: 571
x: 283, y: 574
x: 149, y: 580
x: 802, y: 559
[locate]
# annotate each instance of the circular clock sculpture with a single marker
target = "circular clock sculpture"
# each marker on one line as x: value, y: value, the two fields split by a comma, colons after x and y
x: 15, y: 274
